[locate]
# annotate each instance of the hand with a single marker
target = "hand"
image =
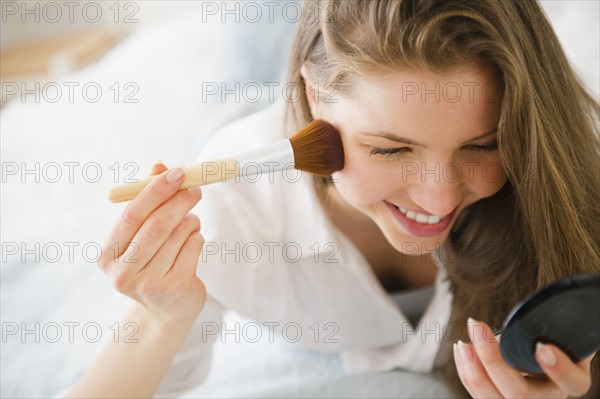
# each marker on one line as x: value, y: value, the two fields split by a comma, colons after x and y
x: 152, y: 252
x: 484, y: 372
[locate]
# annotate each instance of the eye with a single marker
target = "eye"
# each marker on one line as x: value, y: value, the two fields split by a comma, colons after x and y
x: 388, y: 151
x: 484, y: 147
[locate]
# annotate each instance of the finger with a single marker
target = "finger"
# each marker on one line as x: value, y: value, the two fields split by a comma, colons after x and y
x: 458, y: 362
x: 508, y: 381
x: 187, y: 260
x: 157, y: 168
x: 587, y: 362
x: 473, y: 374
x: 137, y: 211
x: 162, y: 261
x: 157, y: 228
x: 573, y: 379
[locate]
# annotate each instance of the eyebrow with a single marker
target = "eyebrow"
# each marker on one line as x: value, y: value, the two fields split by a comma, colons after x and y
x: 398, y: 139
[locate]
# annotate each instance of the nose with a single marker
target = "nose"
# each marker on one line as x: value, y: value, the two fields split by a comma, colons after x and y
x: 438, y: 196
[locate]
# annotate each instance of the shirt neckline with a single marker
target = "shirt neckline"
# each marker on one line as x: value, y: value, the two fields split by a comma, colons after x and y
x: 365, y: 271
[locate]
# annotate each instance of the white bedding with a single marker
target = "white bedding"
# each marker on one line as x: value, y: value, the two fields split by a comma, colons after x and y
x: 168, y: 63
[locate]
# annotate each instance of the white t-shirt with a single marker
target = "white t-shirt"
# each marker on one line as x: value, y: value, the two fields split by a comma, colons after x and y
x: 273, y: 256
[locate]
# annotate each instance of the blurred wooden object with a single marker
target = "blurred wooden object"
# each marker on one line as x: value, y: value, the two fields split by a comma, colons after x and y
x: 54, y: 54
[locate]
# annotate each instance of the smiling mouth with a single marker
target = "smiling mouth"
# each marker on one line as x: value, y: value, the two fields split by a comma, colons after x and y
x: 421, y: 225
x: 419, y: 217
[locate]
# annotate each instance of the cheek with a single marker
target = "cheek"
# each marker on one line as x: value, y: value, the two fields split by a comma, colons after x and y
x: 488, y: 178
x: 361, y: 183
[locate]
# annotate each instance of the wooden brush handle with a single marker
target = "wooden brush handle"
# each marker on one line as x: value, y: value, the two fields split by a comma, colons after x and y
x: 195, y: 176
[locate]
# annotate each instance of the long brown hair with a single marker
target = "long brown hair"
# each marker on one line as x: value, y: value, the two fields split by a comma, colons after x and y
x: 543, y: 224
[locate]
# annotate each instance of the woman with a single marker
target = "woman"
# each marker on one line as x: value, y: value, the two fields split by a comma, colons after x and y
x: 471, y: 171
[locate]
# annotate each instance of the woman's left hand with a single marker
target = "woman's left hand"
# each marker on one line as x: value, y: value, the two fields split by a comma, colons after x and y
x: 485, y: 374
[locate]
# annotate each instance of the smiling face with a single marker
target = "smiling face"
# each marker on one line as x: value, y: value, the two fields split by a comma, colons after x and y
x: 419, y: 148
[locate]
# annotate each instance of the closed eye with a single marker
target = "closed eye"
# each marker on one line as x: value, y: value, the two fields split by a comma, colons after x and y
x: 387, y: 152
x: 484, y: 147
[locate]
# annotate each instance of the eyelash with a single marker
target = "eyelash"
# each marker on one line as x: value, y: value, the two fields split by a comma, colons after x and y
x: 386, y: 152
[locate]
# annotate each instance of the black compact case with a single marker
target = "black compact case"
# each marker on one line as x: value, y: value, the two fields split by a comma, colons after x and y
x: 565, y: 313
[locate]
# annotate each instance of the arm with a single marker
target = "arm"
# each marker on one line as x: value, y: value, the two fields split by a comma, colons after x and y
x: 133, y: 369
x: 158, y: 245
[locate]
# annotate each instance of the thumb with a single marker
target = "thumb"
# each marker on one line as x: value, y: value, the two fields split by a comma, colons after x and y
x: 158, y: 168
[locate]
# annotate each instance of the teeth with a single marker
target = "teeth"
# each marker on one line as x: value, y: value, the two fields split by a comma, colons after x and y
x: 420, y: 218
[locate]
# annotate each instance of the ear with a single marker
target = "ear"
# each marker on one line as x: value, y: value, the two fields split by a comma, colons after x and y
x: 310, y: 91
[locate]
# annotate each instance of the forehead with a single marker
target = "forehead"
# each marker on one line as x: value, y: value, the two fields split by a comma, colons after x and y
x: 463, y: 99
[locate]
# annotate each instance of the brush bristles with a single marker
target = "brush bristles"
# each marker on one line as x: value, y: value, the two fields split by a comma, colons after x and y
x: 318, y: 148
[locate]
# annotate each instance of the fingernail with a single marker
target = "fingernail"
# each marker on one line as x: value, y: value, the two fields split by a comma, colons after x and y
x: 157, y: 162
x: 175, y: 175
x: 465, y: 352
x: 471, y: 326
x: 545, y: 354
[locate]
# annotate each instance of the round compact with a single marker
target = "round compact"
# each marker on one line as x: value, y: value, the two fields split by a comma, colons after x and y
x: 565, y: 313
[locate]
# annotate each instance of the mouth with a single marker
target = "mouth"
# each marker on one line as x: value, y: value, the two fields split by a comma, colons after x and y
x: 419, y: 224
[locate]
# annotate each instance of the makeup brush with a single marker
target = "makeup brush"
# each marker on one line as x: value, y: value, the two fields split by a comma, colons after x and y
x: 317, y: 149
